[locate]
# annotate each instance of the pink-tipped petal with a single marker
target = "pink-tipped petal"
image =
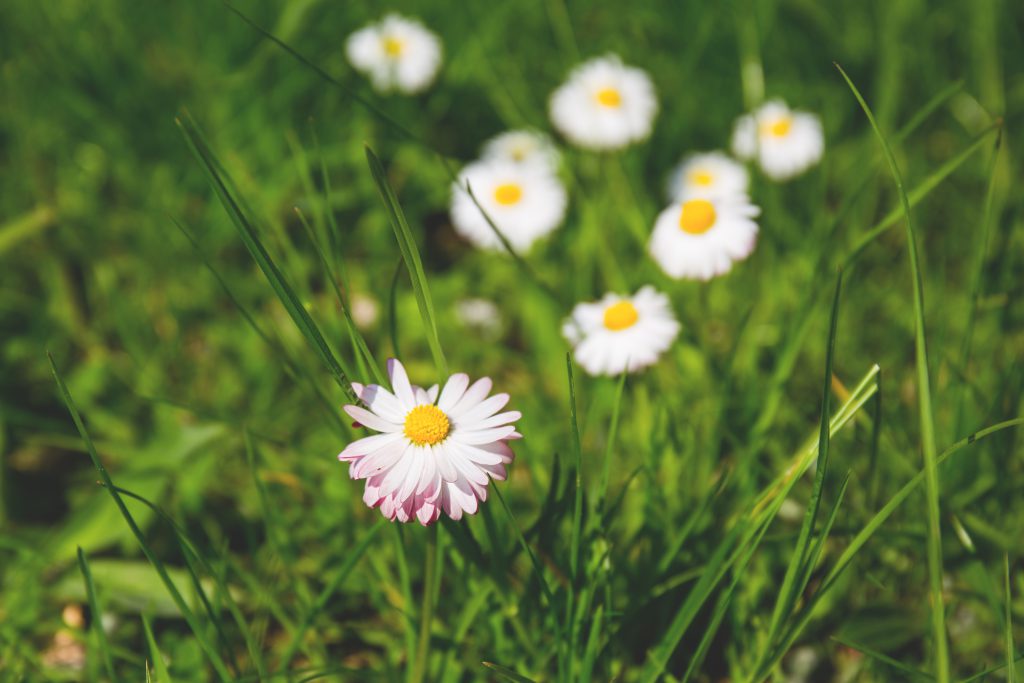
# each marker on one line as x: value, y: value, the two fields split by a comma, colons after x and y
x: 367, y: 445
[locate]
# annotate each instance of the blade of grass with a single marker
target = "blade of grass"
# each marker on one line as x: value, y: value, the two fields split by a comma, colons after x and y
x: 926, y: 417
x: 162, y: 675
x: 1011, y: 667
x: 575, y: 529
x: 507, y: 674
x: 411, y: 256
x: 613, y: 429
x: 790, y: 590
x: 96, y: 625
x: 977, y: 277
x: 285, y: 293
x: 910, y: 672
x: 186, y: 612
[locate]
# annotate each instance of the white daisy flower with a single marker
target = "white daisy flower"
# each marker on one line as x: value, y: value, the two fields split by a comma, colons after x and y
x: 481, y: 316
x: 621, y: 333
x: 522, y: 147
x: 785, y: 143
x: 525, y: 202
x: 711, y: 174
x: 434, y: 453
x: 699, y: 238
x: 604, y: 105
x: 396, y: 53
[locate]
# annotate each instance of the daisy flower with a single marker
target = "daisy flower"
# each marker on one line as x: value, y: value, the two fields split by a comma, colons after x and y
x: 620, y: 332
x: 604, y: 105
x: 396, y: 53
x: 700, y: 237
x: 707, y: 174
x: 785, y: 143
x: 434, y: 453
x: 522, y: 147
x: 525, y: 202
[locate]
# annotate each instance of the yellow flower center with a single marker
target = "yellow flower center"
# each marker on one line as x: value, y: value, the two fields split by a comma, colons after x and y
x: 779, y: 128
x: 608, y: 97
x: 393, y: 46
x: 697, y: 216
x: 620, y: 316
x: 702, y: 178
x: 426, y: 425
x: 508, y: 194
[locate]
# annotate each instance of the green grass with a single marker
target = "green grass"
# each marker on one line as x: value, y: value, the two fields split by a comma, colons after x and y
x: 203, y: 201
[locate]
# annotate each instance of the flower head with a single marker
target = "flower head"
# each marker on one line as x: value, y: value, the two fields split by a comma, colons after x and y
x: 621, y: 332
x: 700, y: 237
x: 785, y: 143
x: 710, y: 174
x: 435, y: 452
x: 528, y: 147
x: 604, y: 105
x: 525, y: 202
x: 396, y: 53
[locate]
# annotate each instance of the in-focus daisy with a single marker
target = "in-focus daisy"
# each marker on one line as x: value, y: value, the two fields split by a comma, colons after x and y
x: 434, y: 452
x: 709, y: 174
x: 604, y: 104
x: 396, y: 53
x: 522, y: 147
x: 620, y: 332
x: 785, y: 143
x: 699, y: 238
x: 525, y: 202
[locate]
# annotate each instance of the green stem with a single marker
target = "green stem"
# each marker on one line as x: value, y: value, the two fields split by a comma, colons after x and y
x: 427, y: 613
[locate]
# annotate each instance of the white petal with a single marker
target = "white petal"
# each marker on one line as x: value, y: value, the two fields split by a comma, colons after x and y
x: 367, y: 445
x: 483, y: 436
x: 400, y: 383
x: 453, y: 390
x: 371, y: 420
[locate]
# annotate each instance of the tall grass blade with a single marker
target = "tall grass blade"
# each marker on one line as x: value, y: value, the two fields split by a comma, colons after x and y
x: 1011, y: 666
x: 926, y: 417
x: 211, y: 652
x: 285, y: 293
x: 96, y: 626
x: 162, y: 675
x: 507, y: 674
x: 411, y: 256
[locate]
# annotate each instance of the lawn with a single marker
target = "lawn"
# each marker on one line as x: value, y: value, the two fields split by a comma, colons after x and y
x: 216, y: 217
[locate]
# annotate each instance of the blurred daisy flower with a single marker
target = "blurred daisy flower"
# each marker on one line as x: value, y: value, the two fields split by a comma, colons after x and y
x: 785, y: 143
x: 710, y: 174
x: 604, y: 105
x: 621, y: 333
x: 434, y: 453
x: 700, y: 237
x: 480, y: 315
x: 396, y: 54
x: 528, y: 147
x: 526, y: 202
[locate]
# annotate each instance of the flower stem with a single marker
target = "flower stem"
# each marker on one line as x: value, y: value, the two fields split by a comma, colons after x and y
x: 427, y: 612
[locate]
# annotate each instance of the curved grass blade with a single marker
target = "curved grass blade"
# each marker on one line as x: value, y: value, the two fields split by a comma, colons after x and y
x: 96, y: 625
x: 211, y: 652
x: 285, y: 293
x: 908, y: 671
x: 162, y: 675
x: 411, y: 255
x: 926, y: 417
x: 791, y: 589
x: 507, y: 674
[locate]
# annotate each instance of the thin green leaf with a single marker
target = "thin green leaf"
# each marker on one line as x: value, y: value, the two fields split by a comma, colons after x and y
x: 909, y: 671
x: 1011, y: 667
x: 285, y: 293
x: 186, y: 612
x: 97, y: 615
x: 162, y: 675
x: 926, y: 417
x: 507, y: 674
x: 411, y: 256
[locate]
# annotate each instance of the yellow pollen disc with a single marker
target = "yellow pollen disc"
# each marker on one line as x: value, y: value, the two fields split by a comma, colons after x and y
x: 702, y: 178
x: 393, y: 46
x: 697, y: 216
x: 608, y: 97
x: 508, y: 194
x: 779, y: 128
x: 620, y: 316
x: 426, y: 425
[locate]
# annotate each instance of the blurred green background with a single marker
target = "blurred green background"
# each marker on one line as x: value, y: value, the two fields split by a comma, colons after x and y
x: 169, y: 375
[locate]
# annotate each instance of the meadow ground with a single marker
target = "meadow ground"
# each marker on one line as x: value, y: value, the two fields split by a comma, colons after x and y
x: 191, y: 228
